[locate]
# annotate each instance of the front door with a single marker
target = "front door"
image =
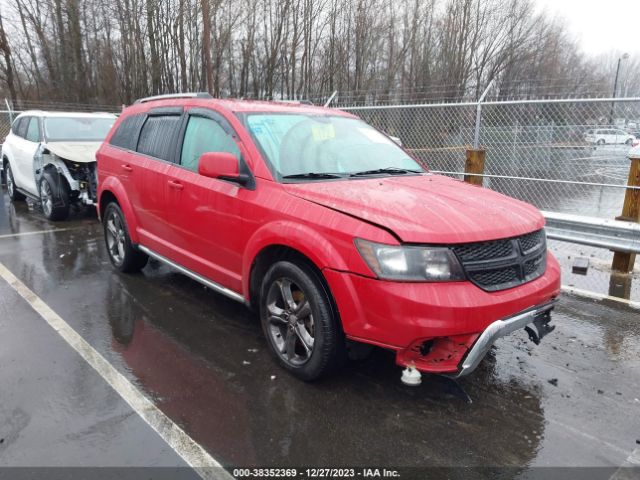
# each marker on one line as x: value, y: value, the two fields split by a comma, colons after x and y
x: 206, y: 213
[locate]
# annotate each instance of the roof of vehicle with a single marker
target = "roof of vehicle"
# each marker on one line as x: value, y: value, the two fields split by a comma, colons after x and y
x: 59, y: 114
x: 240, y: 106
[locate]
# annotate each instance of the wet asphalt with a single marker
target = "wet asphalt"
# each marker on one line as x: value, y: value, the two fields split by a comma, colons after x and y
x: 573, y: 401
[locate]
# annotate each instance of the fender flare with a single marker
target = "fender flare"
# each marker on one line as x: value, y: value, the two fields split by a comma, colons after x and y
x: 295, y: 236
x: 113, y: 186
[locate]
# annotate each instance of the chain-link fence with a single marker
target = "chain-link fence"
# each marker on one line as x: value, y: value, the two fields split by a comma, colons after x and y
x: 560, y: 155
x: 6, y: 119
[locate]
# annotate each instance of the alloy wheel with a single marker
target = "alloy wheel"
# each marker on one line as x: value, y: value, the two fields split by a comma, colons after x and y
x: 46, y: 198
x: 10, y: 182
x: 291, y: 323
x: 115, y: 237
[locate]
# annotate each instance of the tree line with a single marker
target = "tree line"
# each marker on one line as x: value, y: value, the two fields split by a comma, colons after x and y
x: 110, y: 52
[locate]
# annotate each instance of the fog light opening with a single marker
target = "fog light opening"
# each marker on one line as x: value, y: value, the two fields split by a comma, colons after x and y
x: 425, y: 348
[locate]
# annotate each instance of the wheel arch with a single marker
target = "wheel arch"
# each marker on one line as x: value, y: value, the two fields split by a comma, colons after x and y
x: 286, y: 240
x: 272, y: 254
x: 113, y: 191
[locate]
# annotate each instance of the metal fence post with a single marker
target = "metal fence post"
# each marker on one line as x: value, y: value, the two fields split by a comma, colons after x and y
x: 624, y: 262
x: 476, y: 135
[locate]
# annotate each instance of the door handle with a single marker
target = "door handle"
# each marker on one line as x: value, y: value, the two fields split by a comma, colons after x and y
x: 175, y: 184
x: 127, y: 168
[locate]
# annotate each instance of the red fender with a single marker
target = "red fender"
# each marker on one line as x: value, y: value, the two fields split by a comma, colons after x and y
x: 302, y: 238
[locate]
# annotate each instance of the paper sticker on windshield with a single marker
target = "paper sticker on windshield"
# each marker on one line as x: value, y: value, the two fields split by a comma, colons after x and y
x: 373, y: 135
x: 321, y: 133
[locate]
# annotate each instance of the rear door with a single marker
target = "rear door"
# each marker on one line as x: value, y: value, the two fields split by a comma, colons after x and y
x: 156, y: 153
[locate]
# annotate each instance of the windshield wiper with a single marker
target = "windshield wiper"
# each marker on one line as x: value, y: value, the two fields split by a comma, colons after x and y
x: 389, y: 170
x: 313, y: 175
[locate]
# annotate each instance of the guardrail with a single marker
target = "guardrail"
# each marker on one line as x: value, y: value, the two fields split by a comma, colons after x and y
x: 616, y: 235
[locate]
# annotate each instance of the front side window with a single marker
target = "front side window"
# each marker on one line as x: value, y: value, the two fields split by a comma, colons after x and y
x: 333, y: 146
x: 205, y: 135
x: 33, y: 130
x: 158, y: 136
x: 79, y: 129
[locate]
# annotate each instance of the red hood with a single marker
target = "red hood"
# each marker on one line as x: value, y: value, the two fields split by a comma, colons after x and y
x: 426, y: 208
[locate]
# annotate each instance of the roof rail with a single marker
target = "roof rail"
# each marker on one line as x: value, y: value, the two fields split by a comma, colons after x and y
x: 296, y: 102
x: 174, y: 95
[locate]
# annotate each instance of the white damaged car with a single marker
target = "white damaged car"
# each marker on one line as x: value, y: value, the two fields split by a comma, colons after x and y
x: 51, y: 157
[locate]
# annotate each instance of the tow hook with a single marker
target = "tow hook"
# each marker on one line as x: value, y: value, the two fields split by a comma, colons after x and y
x: 542, y: 328
x: 411, y: 376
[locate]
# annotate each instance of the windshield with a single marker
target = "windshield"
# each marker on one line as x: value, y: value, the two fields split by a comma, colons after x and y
x: 320, y: 147
x: 81, y: 129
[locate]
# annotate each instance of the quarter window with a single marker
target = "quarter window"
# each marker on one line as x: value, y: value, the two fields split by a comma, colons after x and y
x: 158, y: 136
x: 205, y: 135
x: 126, y: 135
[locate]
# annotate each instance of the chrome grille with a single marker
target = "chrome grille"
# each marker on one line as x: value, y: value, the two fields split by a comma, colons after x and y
x: 506, y: 263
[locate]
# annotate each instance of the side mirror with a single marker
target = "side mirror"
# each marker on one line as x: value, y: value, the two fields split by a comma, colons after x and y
x: 222, y: 165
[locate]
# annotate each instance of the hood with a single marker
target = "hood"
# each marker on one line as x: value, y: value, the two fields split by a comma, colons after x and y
x: 426, y: 208
x: 80, y: 152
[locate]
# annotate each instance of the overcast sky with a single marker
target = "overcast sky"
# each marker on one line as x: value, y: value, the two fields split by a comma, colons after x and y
x: 601, y: 26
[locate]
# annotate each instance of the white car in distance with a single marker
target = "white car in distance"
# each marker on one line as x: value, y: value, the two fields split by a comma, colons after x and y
x: 614, y: 136
x: 51, y: 158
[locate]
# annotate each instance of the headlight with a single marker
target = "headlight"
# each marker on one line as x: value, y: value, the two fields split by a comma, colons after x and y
x: 413, y: 264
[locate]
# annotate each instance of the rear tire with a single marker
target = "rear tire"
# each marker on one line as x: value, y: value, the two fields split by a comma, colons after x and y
x: 629, y: 141
x: 123, y: 255
x: 600, y: 142
x: 55, y: 209
x: 300, y: 322
x: 14, y: 195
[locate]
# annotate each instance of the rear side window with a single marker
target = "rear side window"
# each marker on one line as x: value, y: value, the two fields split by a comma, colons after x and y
x: 33, y: 130
x: 126, y: 136
x: 158, y: 136
x: 205, y: 135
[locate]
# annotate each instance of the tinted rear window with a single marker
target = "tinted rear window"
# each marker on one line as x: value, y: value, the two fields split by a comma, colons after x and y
x: 126, y: 136
x: 158, y: 136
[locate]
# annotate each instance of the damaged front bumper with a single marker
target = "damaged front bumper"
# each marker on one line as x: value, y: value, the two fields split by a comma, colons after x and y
x: 538, y: 316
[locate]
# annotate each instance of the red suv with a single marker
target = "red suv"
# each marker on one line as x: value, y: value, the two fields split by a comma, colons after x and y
x: 333, y: 232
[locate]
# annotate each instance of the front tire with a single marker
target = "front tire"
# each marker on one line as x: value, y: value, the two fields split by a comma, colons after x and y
x: 14, y: 194
x: 300, y: 322
x: 123, y: 255
x: 600, y: 142
x: 54, y: 209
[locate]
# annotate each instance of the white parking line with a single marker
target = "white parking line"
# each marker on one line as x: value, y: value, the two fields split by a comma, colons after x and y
x: 192, y: 453
x: 632, y: 463
x: 39, y: 232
